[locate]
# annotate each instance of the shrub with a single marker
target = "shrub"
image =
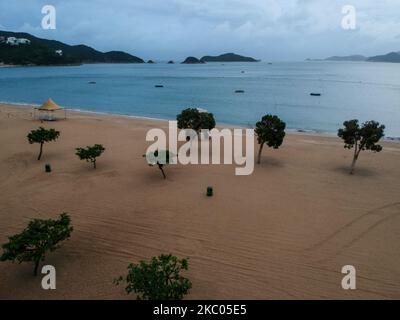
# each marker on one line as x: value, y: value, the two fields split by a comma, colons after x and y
x: 159, y: 279
x: 40, y: 237
x: 90, y: 153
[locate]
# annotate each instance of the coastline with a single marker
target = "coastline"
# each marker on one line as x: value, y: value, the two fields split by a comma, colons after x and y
x: 292, y: 131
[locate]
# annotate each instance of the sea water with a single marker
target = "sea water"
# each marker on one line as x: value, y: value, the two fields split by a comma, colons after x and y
x: 362, y: 90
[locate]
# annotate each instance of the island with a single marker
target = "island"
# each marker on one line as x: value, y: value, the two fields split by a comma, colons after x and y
x: 228, y: 57
x: 356, y: 57
x: 393, y: 57
x: 192, y: 60
x: 25, y: 49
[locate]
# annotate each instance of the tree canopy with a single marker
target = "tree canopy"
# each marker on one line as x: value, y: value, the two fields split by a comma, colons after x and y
x: 42, y: 136
x: 193, y: 119
x: 270, y: 131
x: 364, y: 137
x: 159, y: 279
x: 40, y: 237
x: 159, y: 158
x: 90, y: 153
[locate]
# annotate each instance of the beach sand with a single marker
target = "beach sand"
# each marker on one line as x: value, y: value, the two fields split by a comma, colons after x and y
x: 284, y: 232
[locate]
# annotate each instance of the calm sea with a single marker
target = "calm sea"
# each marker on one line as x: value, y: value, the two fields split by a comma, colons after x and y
x: 349, y: 90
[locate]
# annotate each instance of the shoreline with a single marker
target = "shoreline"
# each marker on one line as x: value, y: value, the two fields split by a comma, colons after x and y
x: 294, y: 131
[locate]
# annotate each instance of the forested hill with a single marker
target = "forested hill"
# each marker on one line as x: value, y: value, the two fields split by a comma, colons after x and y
x: 43, y: 52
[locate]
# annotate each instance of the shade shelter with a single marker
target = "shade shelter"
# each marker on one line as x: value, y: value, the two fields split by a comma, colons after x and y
x: 48, y: 109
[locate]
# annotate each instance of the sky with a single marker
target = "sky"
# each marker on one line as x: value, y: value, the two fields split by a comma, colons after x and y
x: 273, y: 30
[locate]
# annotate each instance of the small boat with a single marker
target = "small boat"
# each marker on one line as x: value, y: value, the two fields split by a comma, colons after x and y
x: 159, y: 86
x: 239, y: 91
x: 92, y: 82
x: 315, y: 94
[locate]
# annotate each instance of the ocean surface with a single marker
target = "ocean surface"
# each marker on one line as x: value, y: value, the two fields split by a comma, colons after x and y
x: 362, y: 90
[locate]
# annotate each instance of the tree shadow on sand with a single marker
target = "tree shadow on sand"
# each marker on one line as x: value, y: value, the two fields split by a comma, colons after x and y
x: 359, y: 171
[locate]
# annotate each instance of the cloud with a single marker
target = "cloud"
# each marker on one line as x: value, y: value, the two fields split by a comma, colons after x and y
x: 172, y: 29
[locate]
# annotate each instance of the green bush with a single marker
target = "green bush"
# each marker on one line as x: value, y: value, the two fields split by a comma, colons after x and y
x: 90, y: 153
x: 40, y: 237
x: 159, y: 279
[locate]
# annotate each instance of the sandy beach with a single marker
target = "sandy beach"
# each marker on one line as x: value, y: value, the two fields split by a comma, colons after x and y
x: 284, y: 232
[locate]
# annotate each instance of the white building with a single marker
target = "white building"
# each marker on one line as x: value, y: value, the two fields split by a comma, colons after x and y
x: 12, y: 41
x: 59, y: 52
x: 23, y: 41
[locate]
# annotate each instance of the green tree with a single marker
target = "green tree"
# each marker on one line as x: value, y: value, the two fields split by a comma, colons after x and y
x: 90, y: 153
x: 361, y: 138
x: 196, y: 120
x: 40, y: 237
x: 42, y: 136
x: 160, y: 159
x: 271, y: 131
x: 159, y: 279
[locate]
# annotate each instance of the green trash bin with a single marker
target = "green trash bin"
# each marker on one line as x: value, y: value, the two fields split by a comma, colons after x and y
x: 47, y: 168
x: 210, y: 191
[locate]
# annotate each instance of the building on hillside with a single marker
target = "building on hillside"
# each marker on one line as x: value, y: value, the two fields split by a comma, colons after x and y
x: 2, y: 39
x: 23, y: 41
x: 59, y: 52
x: 12, y: 41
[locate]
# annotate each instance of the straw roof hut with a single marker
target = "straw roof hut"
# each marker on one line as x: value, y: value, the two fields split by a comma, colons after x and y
x: 47, y: 110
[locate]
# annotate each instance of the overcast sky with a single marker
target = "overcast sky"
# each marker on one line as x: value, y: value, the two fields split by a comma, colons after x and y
x: 173, y: 29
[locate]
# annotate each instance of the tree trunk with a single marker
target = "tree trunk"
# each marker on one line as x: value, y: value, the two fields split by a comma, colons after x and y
x: 94, y: 164
x: 259, y: 153
x: 355, y: 158
x: 35, y: 271
x: 41, y: 150
x: 162, y: 170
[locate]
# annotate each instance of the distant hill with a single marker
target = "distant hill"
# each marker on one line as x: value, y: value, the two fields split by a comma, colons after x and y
x: 228, y: 57
x: 192, y: 60
x: 42, y: 52
x: 347, y: 58
x: 390, y: 57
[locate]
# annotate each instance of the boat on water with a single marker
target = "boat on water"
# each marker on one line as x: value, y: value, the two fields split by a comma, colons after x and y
x: 315, y: 94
